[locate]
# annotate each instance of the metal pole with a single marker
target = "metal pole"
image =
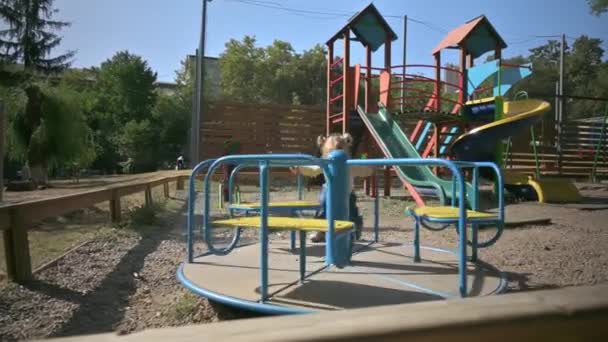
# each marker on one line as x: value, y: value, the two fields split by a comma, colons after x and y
x: 598, y: 148
x: 2, y: 130
x: 561, y: 77
x: 558, y: 129
x: 194, y: 121
x: 561, y: 96
x: 200, y: 82
x: 404, y: 62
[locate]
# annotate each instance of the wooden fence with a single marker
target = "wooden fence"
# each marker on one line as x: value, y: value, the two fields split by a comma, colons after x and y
x: 260, y: 128
x: 571, y: 314
x: 15, y: 217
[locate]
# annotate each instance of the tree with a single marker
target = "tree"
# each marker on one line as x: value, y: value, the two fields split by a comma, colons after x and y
x: 274, y: 74
x: 583, y: 66
x: 311, y: 76
x: 126, y: 88
x: 29, y: 40
x: 125, y: 95
x: 241, y: 70
x: 62, y: 136
x: 598, y: 7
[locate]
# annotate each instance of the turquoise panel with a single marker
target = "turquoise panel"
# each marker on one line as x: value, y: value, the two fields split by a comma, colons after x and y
x: 480, y: 73
x: 510, y: 76
x: 370, y: 31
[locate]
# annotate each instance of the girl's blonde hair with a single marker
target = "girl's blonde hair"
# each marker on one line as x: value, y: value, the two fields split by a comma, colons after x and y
x: 335, y: 141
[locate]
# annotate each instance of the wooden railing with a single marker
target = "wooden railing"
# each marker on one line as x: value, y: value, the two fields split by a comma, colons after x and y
x: 16, y: 217
x: 571, y: 314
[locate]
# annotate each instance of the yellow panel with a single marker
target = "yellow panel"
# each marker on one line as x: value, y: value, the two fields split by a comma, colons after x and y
x: 484, y: 100
x: 290, y: 204
x: 286, y: 223
x: 555, y: 191
x: 450, y: 213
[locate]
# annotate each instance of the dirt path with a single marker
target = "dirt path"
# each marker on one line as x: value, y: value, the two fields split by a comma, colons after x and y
x: 124, y: 280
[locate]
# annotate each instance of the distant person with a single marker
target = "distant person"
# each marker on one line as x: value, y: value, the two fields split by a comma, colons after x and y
x: 231, y: 147
x: 180, y: 163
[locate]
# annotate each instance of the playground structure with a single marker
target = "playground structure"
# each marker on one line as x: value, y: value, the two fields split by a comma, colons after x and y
x: 462, y: 128
x: 345, y: 273
x: 342, y: 273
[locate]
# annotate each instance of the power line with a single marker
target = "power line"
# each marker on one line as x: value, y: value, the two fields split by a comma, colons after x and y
x: 331, y: 13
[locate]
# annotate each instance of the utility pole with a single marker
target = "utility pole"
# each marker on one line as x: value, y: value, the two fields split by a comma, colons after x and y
x: 404, y: 60
x: 561, y: 99
x: 200, y: 80
x: 193, y: 63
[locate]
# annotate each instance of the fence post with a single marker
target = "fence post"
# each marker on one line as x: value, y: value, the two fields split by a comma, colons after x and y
x: 387, y: 181
x: 17, y: 249
x: 180, y: 183
x: 166, y: 189
x: 148, y: 195
x: 115, y: 210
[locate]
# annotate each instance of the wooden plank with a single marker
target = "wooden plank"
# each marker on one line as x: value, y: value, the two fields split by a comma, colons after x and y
x: 569, y: 314
x: 55, y: 206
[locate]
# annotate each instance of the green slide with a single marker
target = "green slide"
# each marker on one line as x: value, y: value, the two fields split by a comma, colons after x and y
x: 420, y: 180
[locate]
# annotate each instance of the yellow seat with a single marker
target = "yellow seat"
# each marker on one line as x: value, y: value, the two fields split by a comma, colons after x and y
x: 284, y: 223
x: 446, y: 213
x: 290, y: 204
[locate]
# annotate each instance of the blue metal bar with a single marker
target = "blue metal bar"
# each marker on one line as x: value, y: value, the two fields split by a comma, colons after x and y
x: 474, y: 206
x: 453, y: 191
x: 423, y: 135
x: 462, y: 213
x: 231, y: 182
x: 302, y: 255
x: 292, y: 240
x: 191, y: 205
x: 299, y: 185
x: 376, y: 218
x: 251, y: 160
x: 263, y: 231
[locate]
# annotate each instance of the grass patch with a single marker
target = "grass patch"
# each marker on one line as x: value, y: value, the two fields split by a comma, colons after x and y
x: 50, y: 240
x: 146, y: 215
x: 185, y: 307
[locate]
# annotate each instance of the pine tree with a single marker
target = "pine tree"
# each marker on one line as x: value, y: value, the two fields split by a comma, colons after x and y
x: 25, y: 58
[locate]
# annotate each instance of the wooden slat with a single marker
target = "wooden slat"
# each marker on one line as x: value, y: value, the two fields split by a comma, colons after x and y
x: 569, y: 314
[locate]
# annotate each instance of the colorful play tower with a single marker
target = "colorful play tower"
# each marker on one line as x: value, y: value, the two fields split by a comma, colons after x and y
x: 469, y: 123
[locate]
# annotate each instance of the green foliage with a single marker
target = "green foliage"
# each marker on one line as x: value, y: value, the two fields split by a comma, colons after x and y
x: 122, y: 98
x: 61, y: 137
x: 31, y: 36
x: 186, y: 306
x: 598, y: 7
x: 47, y: 127
x: 274, y: 74
x: 125, y: 87
x: 172, y: 116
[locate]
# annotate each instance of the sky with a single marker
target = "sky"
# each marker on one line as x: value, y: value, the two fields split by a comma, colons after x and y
x: 164, y: 31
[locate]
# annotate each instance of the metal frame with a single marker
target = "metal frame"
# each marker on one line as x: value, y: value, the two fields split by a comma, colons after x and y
x: 338, y: 248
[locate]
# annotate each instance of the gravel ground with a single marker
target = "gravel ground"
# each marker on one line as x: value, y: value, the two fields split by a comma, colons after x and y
x: 124, y: 280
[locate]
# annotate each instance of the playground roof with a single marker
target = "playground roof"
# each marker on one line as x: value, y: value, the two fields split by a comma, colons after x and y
x: 369, y: 27
x: 477, y: 36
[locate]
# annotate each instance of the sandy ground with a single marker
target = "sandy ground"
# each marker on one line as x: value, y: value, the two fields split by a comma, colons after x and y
x: 124, y: 280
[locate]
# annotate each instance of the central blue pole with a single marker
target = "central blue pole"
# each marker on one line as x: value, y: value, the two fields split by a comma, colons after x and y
x: 336, y: 206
